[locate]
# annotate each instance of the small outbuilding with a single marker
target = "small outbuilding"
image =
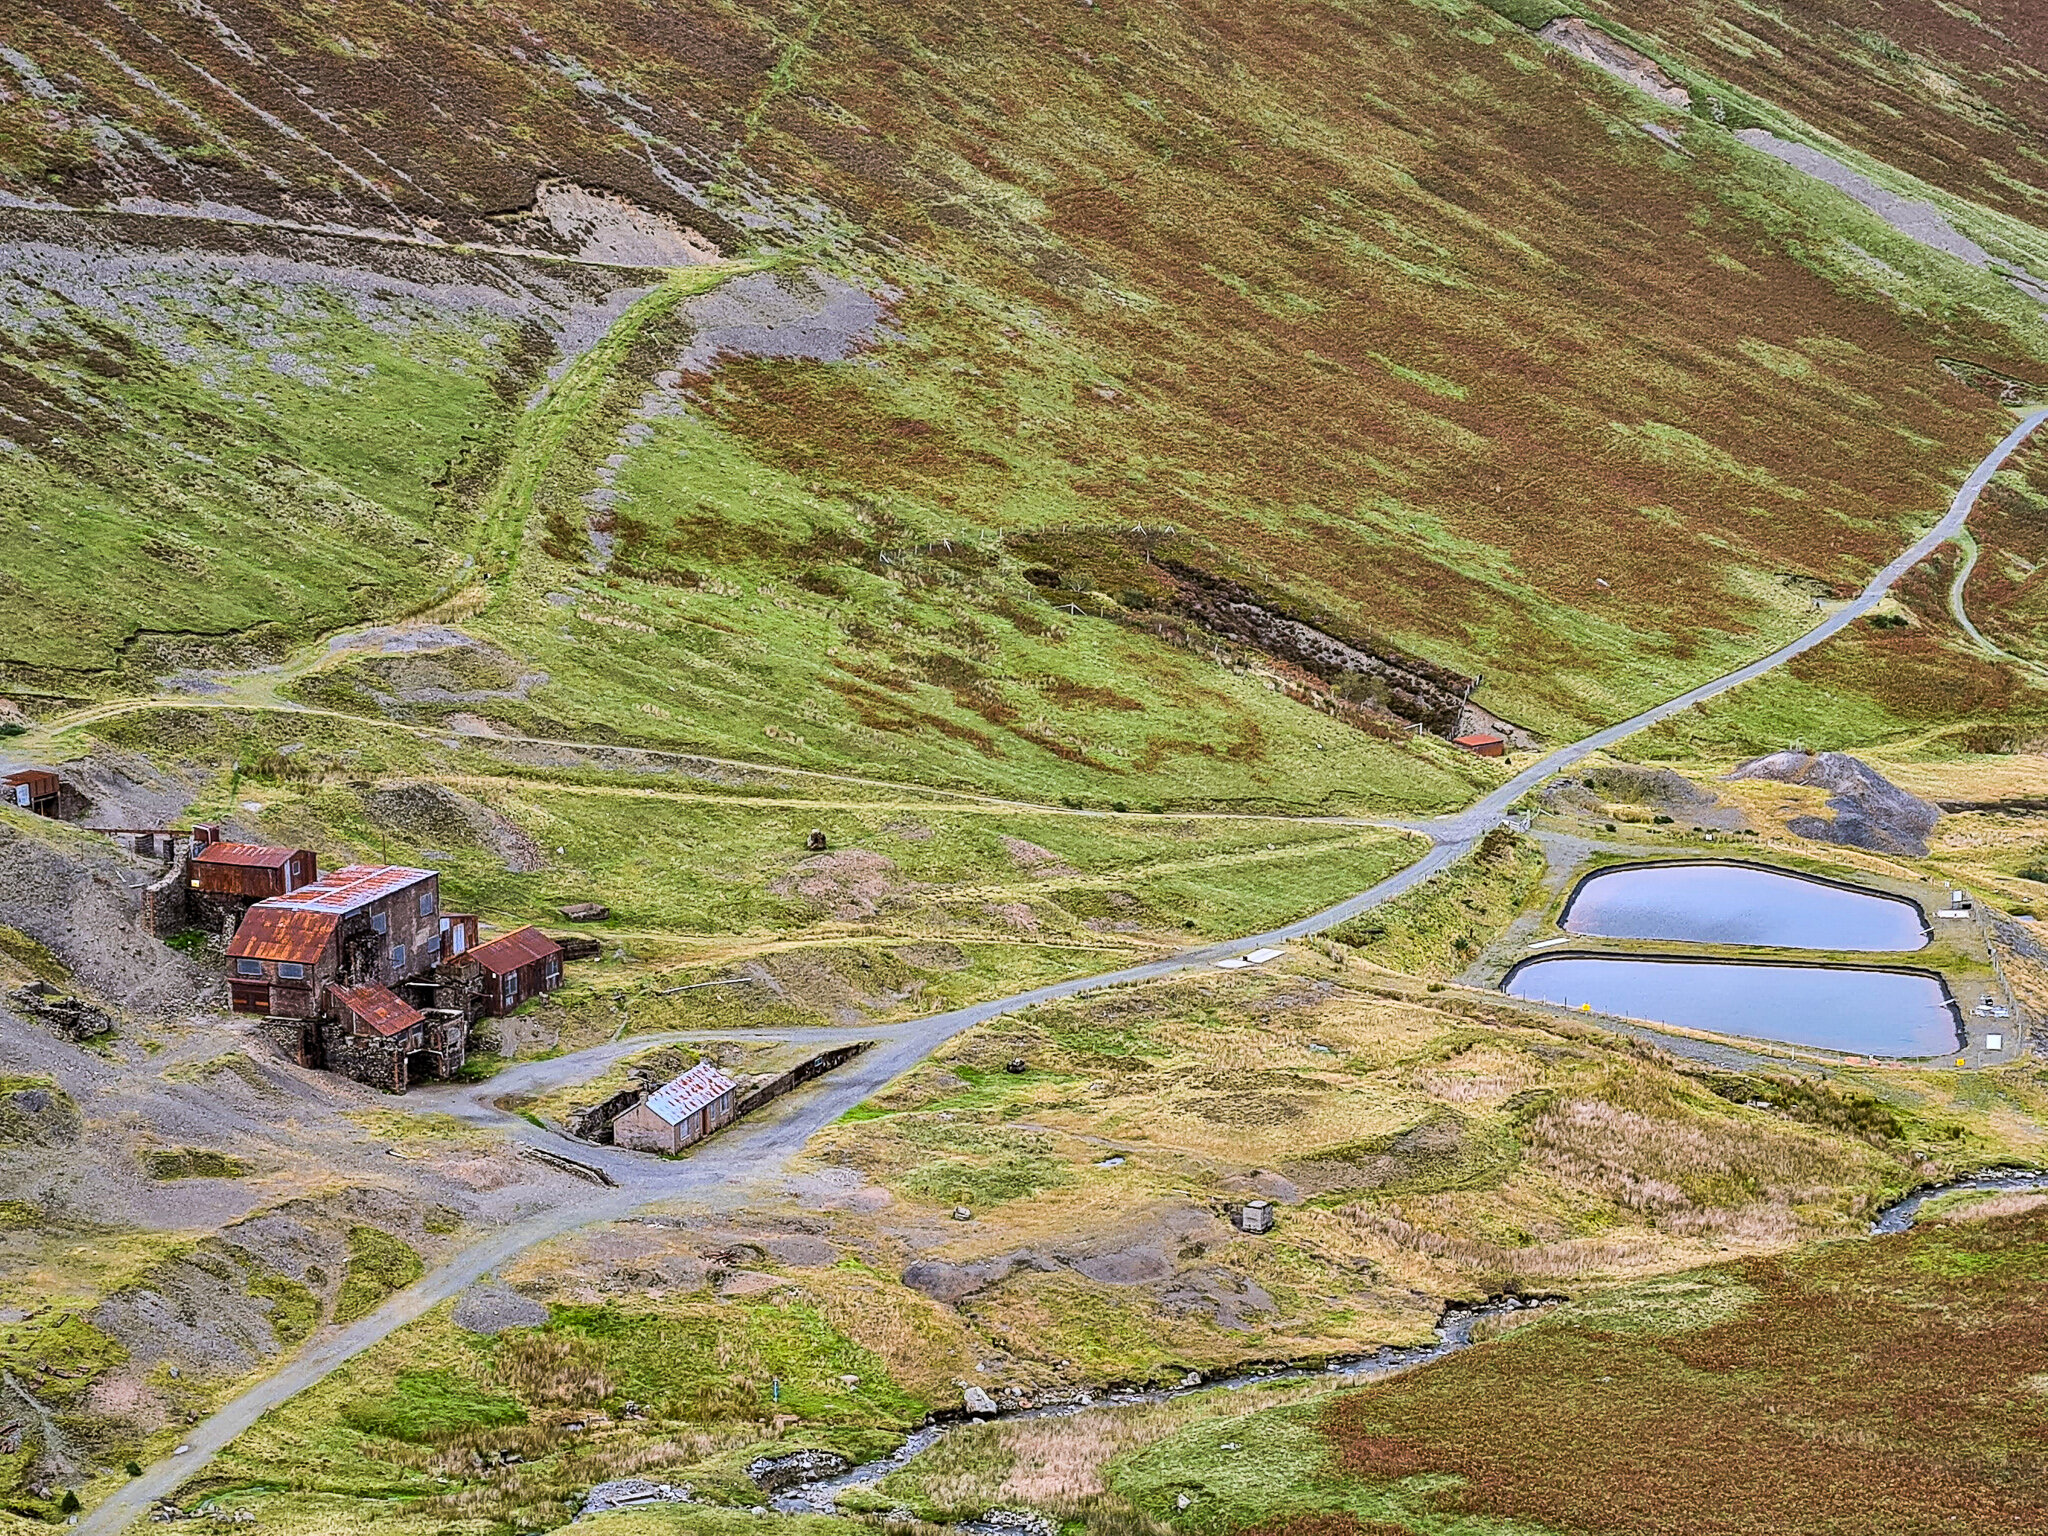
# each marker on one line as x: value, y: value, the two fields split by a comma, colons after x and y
x: 251, y: 871
x: 379, y: 1038
x: 32, y: 789
x: 1483, y: 744
x: 682, y: 1110
x: 520, y: 965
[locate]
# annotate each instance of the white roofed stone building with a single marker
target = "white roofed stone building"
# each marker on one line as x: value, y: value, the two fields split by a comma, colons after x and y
x: 682, y: 1110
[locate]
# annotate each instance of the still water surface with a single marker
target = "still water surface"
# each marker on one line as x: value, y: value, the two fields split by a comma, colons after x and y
x: 1877, y: 1013
x: 1740, y: 904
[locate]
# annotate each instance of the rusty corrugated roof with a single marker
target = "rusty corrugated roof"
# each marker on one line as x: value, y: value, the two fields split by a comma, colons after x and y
x: 246, y: 855
x: 344, y: 890
x: 520, y: 947
x: 379, y: 1007
x: 681, y: 1097
x: 272, y: 930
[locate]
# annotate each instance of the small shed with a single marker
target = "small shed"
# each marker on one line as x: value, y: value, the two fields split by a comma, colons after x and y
x: 682, y: 1110
x: 378, y: 1011
x: 1483, y: 744
x: 522, y: 964
x: 252, y: 870
x: 32, y: 789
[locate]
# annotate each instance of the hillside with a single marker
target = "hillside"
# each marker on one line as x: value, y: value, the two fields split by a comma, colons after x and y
x: 991, y: 344
x: 993, y: 652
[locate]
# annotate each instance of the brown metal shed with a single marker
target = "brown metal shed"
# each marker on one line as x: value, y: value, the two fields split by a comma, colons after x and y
x: 252, y: 870
x: 32, y: 789
x: 523, y: 964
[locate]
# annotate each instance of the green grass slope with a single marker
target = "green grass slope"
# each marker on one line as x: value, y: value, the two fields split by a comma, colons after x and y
x: 1383, y: 308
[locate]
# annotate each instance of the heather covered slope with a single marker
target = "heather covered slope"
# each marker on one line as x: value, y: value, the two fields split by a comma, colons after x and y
x: 1394, y: 316
x: 1954, y: 95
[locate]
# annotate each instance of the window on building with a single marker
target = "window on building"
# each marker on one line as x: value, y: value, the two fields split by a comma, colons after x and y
x: 434, y: 945
x: 379, y: 923
x: 295, y: 870
x: 398, y: 954
x: 248, y: 967
x: 511, y: 988
x: 554, y: 967
x: 291, y: 970
x: 426, y: 903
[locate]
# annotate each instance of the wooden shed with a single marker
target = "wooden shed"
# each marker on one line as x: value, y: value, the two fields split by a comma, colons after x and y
x: 1484, y: 743
x: 520, y: 965
x: 682, y: 1110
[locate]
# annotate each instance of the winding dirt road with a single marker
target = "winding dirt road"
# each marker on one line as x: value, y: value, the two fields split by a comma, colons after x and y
x: 746, y: 1160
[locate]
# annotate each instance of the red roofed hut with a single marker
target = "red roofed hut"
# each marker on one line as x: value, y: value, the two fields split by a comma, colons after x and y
x: 254, y: 871
x: 381, y: 1039
x: 523, y: 964
x: 33, y: 789
x: 1483, y: 743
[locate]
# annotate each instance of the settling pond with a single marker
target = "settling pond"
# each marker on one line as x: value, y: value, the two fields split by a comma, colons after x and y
x: 1834, y: 1008
x: 1716, y: 903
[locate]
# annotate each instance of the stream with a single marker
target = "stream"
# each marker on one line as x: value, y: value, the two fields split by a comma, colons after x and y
x: 1453, y: 1334
x: 1900, y: 1215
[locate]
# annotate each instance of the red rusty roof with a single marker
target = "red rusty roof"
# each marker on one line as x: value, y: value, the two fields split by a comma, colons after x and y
x: 379, y: 1007
x: 246, y: 855
x: 522, y: 946
x: 273, y: 931
x: 1480, y: 739
x: 344, y: 890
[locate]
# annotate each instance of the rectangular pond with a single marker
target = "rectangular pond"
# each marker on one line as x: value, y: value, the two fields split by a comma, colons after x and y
x: 1729, y: 903
x: 1835, y: 1008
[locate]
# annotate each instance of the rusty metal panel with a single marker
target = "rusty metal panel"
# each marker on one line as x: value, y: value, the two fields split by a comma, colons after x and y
x: 271, y: 930
x: 515, y: 951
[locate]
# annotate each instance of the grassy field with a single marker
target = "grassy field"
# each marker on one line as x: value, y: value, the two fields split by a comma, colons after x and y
x: 920, y: 900
x: 1721, y: 387
x: 1439, y: 929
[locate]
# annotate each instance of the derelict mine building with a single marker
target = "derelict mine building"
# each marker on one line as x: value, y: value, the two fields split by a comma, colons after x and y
x: 223, y: 880
x: 323, y: 964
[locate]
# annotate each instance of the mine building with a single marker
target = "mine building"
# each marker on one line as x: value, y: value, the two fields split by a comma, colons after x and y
x: 682, y: 1110
x: 321, y: 963
x: 33, y: 789
x: 246, y: 872
x: 366, y: 923
x: 522, y: 964
x: 361, y: 972
x: 376, y: 1037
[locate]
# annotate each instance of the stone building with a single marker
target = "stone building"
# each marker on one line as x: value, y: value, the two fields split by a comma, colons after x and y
x: 321, y: 964
x: 682, y: 1110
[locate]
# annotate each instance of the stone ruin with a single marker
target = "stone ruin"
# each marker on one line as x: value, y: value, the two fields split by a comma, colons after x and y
x: 71, y: 1017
